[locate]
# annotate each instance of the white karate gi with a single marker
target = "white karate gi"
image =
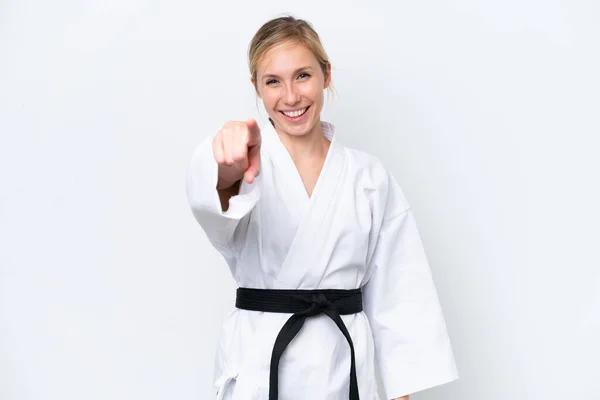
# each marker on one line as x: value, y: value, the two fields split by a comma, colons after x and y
x: 356, y: 230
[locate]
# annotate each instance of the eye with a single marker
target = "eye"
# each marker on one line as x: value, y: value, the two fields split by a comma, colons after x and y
x: 271, y: 81
x: 304, y: 74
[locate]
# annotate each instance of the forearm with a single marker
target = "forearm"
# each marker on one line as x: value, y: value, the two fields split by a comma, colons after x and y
x: 402, y: 398
x: 227, y: 193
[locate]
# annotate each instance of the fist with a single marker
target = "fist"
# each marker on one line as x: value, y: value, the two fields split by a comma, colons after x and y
x: 236, y: 148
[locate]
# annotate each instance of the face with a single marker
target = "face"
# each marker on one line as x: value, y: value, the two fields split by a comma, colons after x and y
x: 290, y: 82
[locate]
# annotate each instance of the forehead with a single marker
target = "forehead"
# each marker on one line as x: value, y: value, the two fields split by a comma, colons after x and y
x: 286, y: 57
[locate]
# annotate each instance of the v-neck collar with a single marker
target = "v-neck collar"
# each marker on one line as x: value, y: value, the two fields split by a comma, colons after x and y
x: 285, y: 162
x: 307, y: 213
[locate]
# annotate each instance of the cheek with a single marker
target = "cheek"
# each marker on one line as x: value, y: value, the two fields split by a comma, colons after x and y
x: 269, y: 98
x: 317, y: 87
x: 315, y: 93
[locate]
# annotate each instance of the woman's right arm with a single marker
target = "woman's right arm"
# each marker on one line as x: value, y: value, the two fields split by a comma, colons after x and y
x: 227, y: 193
x: 222, y: 183
x: 236, y: 149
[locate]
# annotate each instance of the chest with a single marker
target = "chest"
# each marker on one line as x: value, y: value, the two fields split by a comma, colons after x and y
x: 309, y: 174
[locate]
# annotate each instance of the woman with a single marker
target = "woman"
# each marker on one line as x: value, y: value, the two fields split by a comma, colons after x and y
x: 322, y: 243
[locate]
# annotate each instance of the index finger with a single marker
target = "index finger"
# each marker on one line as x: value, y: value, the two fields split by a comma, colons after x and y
x: 254, y: 130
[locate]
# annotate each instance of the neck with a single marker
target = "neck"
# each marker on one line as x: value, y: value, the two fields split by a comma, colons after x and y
x: 305, y: 147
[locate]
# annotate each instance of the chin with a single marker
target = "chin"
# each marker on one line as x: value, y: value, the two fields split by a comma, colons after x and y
x: 295, y: 129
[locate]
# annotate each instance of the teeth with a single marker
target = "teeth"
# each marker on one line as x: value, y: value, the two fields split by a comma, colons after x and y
x: 295, y: 114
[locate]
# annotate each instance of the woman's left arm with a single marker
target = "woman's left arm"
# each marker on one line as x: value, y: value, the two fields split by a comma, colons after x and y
x: 412, y: 346
x: 401, y: 398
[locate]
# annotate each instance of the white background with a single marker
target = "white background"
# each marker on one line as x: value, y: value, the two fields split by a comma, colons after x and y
x: 486, y: 112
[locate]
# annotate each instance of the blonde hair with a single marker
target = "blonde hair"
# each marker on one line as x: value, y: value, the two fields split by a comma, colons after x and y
x: 281, y: 30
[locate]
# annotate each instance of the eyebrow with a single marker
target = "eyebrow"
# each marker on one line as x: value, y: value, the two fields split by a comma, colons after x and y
x: 295, y: 72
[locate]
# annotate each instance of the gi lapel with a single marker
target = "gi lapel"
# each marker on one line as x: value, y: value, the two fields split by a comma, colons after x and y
x: 300, y: 268
x: 290, y: 186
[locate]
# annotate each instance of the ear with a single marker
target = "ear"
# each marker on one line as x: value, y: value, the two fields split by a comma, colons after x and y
x: 253, y: 81
x: 327, y: 81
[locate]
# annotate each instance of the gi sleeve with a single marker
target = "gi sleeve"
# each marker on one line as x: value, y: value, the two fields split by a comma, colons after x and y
x: 203, y: 198
x: 412, y: 347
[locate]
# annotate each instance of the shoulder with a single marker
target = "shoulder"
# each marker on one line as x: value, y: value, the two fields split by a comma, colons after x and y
x: 367, y: 165
x: 372, y: 175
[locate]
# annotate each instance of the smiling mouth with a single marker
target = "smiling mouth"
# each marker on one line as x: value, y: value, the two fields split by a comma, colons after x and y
x: 295, y: 114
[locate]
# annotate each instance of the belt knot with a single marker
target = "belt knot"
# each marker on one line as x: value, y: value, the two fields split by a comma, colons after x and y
x: 320, y: 301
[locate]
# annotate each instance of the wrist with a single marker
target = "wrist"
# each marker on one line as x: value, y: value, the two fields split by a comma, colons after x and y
x: 225, y: 186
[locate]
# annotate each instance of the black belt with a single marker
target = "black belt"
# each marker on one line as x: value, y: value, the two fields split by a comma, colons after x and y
x: 303, y: 304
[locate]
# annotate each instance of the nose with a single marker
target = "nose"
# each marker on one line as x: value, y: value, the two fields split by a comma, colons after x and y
x: 291, y: 96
